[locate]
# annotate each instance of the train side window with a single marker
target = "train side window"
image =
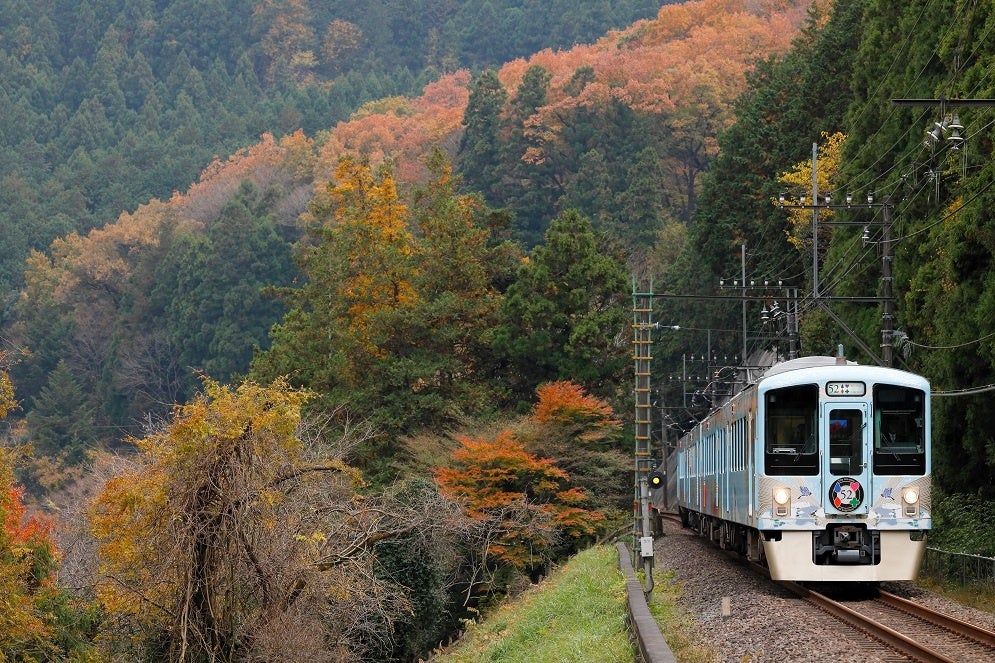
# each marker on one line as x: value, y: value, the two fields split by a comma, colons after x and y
x: 790, y: 430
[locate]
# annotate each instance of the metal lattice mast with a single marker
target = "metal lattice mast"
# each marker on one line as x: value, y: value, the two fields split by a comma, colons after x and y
x: 642, y: 324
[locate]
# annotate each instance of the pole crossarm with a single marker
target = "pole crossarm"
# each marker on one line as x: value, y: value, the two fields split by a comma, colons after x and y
x: 887, y: 299
x: 761, y: 298
x: 838, y: 206
x: 943, y: 101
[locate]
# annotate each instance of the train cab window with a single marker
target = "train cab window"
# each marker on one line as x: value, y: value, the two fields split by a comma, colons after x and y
x: 846, y: 441
x: 790, y: 431
x: 899, y: 430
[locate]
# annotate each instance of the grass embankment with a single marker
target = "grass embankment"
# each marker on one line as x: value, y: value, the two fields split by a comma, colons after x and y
x: 676, y: 625
x: 576, y: 614
x: 976, y: 596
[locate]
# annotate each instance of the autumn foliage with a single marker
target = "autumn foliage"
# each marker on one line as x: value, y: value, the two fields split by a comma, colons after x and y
x: 27, y: 557
x: 798, y: 180
x: 398, y: 303
x: 582, y: 435
x: 27, y: 571
x: 566, y: 402
x: 660, y: 66
x: 93, y: 294
x: 38, y: 621
x: 405, y: 129
x: 239, y: 533
x: 516, y: 483
x: 529, y: 501
x: 199, y: 538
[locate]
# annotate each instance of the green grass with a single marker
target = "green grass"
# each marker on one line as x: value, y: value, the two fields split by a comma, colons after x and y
x: 975, y: 596
x: 676, y: 625
x: 576, y: 614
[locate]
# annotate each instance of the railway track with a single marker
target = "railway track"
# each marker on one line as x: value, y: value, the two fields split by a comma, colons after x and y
x: 912, y: 630
x: 895, y: 628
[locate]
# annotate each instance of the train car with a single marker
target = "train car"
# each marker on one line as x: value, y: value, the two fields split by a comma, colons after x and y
x: 821, y: 469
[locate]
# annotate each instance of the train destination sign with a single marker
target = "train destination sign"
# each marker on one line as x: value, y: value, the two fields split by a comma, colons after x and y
x: 845, y: 389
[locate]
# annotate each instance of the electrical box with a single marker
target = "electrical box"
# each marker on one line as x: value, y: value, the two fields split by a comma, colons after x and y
x: 646, y: 546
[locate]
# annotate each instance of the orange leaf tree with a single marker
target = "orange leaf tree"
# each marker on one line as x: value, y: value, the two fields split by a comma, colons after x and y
x: 38, y: 621
x: 566, y: 403
x: 582, y: 435
x: 534, y: 512
x: 27, y: 568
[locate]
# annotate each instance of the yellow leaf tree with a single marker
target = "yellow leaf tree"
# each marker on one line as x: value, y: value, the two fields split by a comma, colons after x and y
x: 799, y: 179
x: 367, y: 252
x: 235, y: 535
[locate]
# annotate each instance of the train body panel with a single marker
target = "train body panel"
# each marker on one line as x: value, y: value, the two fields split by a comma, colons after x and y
x: 791, y: 559
x: 820, y: 467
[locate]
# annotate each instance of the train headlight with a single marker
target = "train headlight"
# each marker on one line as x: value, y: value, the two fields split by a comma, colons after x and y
x: 782, y: 498
x: 911, y: 498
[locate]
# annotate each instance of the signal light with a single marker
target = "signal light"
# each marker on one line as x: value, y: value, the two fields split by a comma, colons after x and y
x: 656, y: 479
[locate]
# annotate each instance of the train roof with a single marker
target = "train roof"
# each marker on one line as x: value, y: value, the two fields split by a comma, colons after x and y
x: 807, y: 362
x: 833, y: 368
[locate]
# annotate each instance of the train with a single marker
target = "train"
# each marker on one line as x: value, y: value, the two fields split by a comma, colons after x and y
x: 820, y: 469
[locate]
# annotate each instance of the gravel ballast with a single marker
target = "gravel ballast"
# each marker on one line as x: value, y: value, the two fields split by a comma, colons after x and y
x: 764, y: 622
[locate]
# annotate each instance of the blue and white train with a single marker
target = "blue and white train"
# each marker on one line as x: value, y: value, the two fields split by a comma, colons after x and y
x: 821, y: 469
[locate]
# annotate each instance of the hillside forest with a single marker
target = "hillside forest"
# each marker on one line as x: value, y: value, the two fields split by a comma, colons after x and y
x: 317, y: 318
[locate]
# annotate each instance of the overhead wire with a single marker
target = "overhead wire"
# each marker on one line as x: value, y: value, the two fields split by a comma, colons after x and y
x: 958, y: 66
x: 908, y: 159
x: 950, y: 347
x: 950, y: 214
x: 964, y: 392
x: 911, y: 163
x: 907, y: 39
x: 903, y: 139
x: 905, y: 43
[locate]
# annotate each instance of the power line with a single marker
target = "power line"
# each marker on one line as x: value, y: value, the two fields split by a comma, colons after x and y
x: 949, y: 347
x: 951, y: 214
x: 965, y: 392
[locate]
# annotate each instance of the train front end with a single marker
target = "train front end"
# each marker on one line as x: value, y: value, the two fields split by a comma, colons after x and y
x: 842, y: 489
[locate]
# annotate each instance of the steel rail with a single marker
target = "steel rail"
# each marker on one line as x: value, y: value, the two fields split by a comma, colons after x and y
x: 947, y: 622
x: 890, y: 637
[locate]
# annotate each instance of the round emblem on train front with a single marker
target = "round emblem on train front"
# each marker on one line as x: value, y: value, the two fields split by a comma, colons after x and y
x: 846, y: 494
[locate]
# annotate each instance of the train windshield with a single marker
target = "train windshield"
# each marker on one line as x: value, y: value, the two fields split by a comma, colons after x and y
x: 790, y: 431
x: 846, y: 449
x: 899, y: 430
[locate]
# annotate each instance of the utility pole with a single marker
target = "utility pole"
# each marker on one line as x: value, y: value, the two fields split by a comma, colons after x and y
x: 748, y: 293
x: 946, y: 125
x: 888, y: 305
x: 815, y: 221
x: 886, y: 299
x: 742, y: 261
